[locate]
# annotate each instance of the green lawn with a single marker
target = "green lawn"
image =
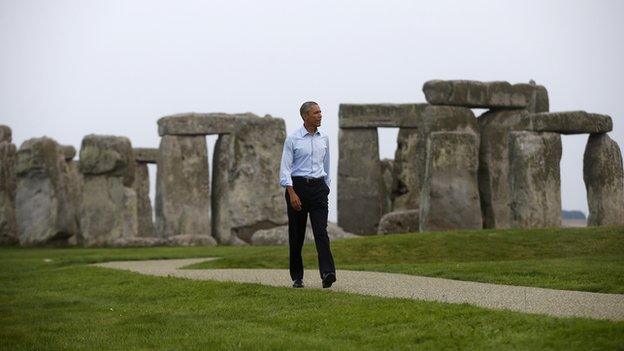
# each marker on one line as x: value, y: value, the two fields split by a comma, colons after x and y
x: 589, y: 259
x: 49, y: 299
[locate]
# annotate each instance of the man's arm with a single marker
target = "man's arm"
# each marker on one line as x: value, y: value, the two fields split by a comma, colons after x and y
x: 285, y: 174
x: 326, y: 164
x: 286, y: 164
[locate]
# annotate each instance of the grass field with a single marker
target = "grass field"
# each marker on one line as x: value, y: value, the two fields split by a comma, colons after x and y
x: 49, y: 298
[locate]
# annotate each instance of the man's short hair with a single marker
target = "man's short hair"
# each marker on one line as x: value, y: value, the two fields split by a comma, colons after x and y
x: 306, y: 107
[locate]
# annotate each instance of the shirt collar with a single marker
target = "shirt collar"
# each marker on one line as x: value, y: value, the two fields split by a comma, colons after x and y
x: 303, y: 132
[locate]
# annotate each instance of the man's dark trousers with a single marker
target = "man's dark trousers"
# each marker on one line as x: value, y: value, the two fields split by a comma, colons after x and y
x: 313, y: 195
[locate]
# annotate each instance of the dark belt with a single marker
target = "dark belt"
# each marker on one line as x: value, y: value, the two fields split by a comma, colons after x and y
x: 307, y: 180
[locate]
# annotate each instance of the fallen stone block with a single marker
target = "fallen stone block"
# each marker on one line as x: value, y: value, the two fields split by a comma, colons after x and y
x: 138, y: 242
x: 191, y: 240
x: 279, y: 235
x: 397, y: 222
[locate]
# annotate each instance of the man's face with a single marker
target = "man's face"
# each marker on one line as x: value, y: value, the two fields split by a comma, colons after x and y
x: 313, y: 116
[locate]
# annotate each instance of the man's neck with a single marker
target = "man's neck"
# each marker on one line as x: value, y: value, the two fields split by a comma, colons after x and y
x: 310, y: 129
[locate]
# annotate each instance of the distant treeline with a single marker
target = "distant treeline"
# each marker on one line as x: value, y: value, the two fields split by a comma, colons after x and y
x: 572, y: 215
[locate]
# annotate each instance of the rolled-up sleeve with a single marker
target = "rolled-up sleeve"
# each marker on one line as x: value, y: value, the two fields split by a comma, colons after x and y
x: 287, y: 163
x: 326, y: 164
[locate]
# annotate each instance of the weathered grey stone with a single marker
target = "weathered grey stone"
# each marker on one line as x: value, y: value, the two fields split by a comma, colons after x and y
x: 106, y: 154
x: 222, y: 165
x: 69, y: 152
x: 534, y: 180
x: 469, y: 93
x: 604, y: 181
x: 74, y: 195
x: 145, y: 155
x: 408, y: 169
x: 138, y: 242
x: 191, y: 240
x: 380, y: 115
x: 360, y: 197
x: 8, y: 224
x: 6, y: 134
x: 256, y: 201
x: 573, y: 122
x: 279, y: 235
x: 539, y: 99
x: 410, y: 157
x: 144, y: 206
x: 199, y: 123
x: 388, y: 184
x: 450, y: 192
x: 495, y: 127
x: 182, y: 187
x: 406, y: 221
x: 45, y: 213
x: 108, y: 211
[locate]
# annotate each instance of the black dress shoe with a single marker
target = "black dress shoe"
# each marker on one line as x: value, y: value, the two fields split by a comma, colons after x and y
x: 328, y: 279
x: 298, y: 283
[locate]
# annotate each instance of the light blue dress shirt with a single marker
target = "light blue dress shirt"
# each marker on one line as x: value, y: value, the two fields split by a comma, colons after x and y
x: 305, y: 155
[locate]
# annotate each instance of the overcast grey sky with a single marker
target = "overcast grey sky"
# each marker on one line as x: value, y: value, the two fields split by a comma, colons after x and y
x: 70, y: 68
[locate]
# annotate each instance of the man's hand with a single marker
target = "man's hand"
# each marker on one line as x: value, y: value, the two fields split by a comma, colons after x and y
x: 295, y: 202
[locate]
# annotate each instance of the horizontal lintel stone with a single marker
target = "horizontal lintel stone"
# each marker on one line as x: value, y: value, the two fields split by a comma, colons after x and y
x: 571, y: 122
x: 199, y: 123
x: 476, y: 94
x: 380, y: 115
x: 146, y: 154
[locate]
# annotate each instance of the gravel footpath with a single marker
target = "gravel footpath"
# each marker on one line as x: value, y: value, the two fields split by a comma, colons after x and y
x: 560, y: 303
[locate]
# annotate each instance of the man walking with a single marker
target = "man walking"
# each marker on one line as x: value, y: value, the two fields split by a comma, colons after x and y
x: 304, y: 172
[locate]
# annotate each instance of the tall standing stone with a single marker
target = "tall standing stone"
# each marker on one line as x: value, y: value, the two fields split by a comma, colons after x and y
x: 8, y: 225
x: 182, y: 187
x: 410, y: 156
x: 44, y: 210
x: 388, y: 181
x: 360, y: 200
x: 450, y: 192
x: 495, y: 127
x: 604, y: 181
x: 74, y: 186
x: 108, y: 210
x: 141, y: 187
x: 534, y: 180
x: 255, y: 198
x: 407, y: 169
x: 221, y: 168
